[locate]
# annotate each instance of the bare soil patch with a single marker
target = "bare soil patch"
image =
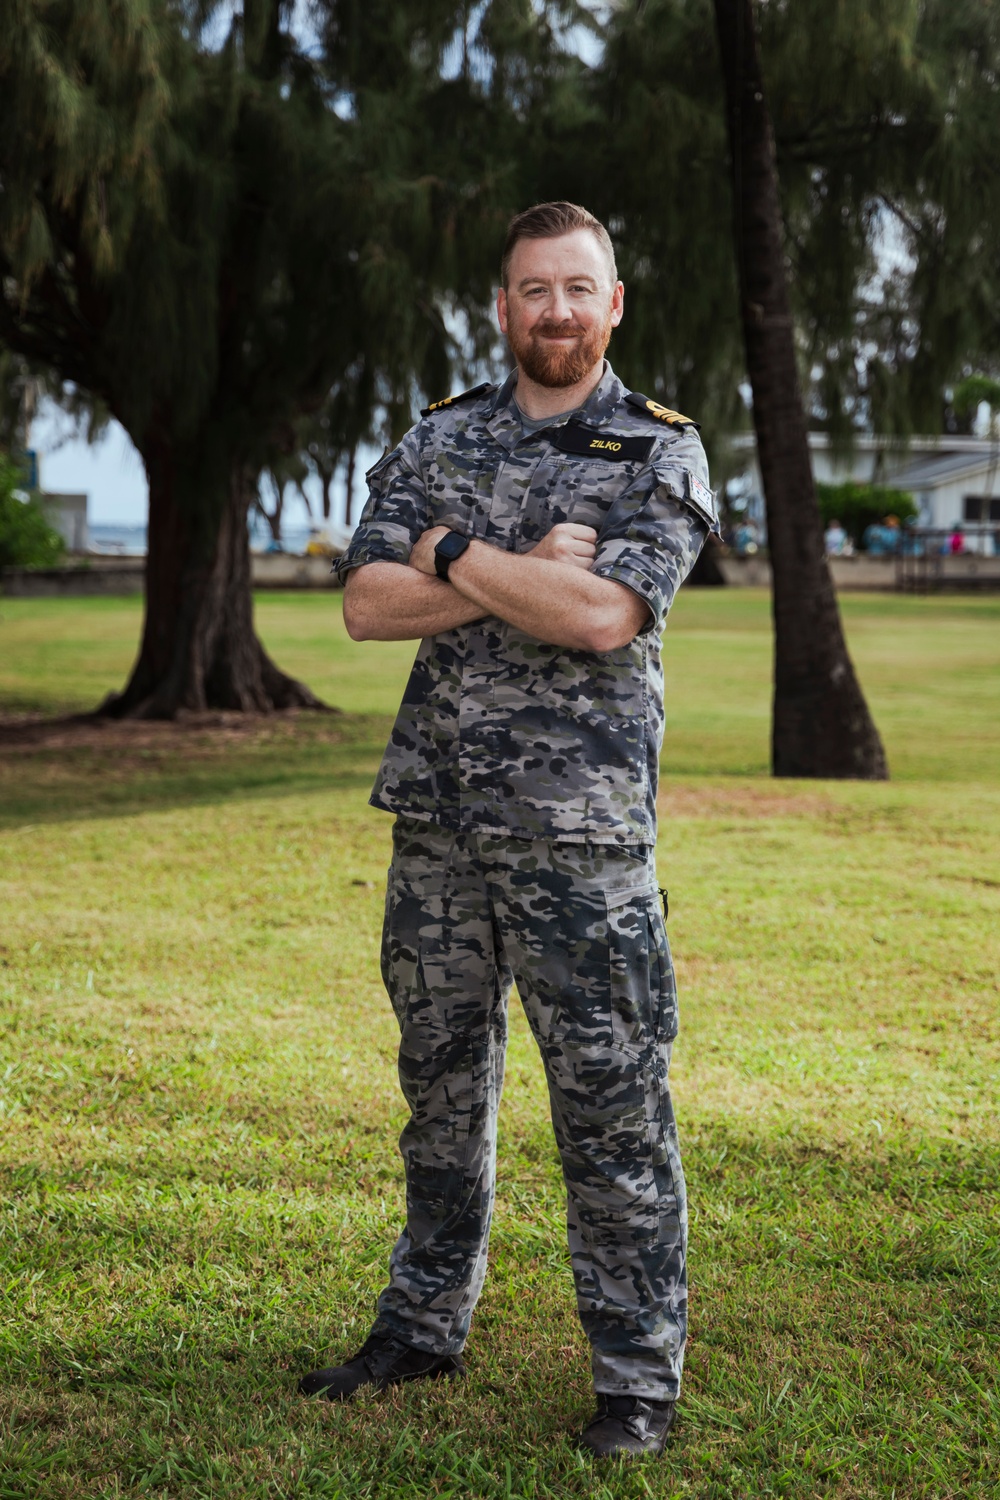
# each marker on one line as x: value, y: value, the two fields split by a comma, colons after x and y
x: 739, y: 801
x: 199, y: 734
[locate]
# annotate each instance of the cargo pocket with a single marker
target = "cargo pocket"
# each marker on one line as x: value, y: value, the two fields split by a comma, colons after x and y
x: 396, y: 961
x: 643, y: 991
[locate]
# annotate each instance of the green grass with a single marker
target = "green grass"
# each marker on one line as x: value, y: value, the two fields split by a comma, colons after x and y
x: 199, y: 1104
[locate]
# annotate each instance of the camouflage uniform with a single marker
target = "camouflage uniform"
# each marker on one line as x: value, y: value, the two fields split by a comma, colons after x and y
x: 523, y: 777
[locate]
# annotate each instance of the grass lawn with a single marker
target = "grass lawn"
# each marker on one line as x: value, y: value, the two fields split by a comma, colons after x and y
x: 198, y: 1176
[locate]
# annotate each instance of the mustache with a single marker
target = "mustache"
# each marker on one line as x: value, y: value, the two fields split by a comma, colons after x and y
x: 557, y: 331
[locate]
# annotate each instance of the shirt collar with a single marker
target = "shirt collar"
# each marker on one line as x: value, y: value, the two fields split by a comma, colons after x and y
x: 503, y: 419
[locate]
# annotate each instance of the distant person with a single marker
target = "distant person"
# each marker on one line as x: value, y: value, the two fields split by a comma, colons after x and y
x: 835, y: 539
x: 745, y: 542
x: 881, y: 538
x: 911, y: 542
x: 956, y: 542
x: 534, y: 537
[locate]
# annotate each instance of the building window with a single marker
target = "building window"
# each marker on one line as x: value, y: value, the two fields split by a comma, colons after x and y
x: 980, y: 508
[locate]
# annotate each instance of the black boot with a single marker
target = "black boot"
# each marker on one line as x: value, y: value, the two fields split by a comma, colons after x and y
x: 382, y: 1360
x: 627, y: 1424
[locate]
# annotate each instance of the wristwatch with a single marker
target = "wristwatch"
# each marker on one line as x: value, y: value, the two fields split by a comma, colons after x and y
x: 451, y: 545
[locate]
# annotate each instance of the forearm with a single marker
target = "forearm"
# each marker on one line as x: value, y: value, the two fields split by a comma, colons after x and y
x: 387, y: 601
x: 556, y: 602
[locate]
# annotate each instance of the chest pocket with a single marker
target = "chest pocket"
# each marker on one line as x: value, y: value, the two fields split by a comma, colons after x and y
x: 459, y: 486
x: 583, y: 490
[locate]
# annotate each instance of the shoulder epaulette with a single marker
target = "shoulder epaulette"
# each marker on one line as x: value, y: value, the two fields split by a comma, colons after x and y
x: 477, y: 390
x: 661, y: 413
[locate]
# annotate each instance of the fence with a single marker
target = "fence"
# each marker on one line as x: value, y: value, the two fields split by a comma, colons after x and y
x: 925, y: 563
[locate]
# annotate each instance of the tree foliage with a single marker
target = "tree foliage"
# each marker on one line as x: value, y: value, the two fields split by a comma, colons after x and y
x: 885, y: 116
x: 212, y: 239
x: 857, y: 506
x: 26, y: 538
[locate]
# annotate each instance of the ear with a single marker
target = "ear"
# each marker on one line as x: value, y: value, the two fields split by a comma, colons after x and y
x: 502, y: 310
x: 617, y: 304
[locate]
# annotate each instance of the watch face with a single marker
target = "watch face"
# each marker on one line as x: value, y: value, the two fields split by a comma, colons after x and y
x: 452, y: 545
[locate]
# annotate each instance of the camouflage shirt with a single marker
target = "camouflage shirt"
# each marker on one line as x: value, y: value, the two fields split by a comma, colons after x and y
x: 498, y: 730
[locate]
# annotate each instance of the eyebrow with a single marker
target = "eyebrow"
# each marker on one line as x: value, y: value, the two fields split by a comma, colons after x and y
x: 574, y: 276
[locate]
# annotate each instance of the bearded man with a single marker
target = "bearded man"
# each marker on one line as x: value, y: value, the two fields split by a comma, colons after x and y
x: 533, y: 537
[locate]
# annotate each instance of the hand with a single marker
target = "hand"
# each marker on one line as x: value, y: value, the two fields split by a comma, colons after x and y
x: 568, y: 543
x: 422, y: 556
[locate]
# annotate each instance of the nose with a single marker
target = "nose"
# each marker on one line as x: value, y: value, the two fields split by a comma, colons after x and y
x: 559, y: 309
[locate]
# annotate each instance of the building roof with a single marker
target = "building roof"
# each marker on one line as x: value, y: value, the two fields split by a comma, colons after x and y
x: 930, y: 473
x: 869, y: 442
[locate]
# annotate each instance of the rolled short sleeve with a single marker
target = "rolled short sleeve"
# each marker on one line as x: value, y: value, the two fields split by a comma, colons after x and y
x: 655, y: 531
x: 395, y: 514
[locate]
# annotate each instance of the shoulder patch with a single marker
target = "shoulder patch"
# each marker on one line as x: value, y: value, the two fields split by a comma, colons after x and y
x: 661, y: 413
x: 477, y: 390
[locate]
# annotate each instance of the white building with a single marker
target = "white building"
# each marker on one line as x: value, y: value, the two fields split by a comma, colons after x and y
x: 67, y: 514
x: 953, y: 480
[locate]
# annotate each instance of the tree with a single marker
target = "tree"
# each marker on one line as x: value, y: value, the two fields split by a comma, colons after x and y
x: 273, y: 482
x: 135, y: 246
x: 975, y: 391
x: 821, y: 724
x: 883, y: 112
x: 346, y: 419
x: 209, y: 240
x: 858, y: 506
x: 26, y: 538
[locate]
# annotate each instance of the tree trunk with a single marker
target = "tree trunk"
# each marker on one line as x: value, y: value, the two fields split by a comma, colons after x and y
x: 300, y: 486
x: 352, y: 458
x: 707, y: 572
x: 326, y: 479
x: 273, y: 517
x: 821, y: 724
x: 199, y: 650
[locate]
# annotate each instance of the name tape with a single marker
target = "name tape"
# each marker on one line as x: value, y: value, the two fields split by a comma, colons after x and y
x: 586, y: 443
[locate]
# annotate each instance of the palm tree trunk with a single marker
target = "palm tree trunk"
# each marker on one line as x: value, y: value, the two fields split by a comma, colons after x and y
x: 821, y: 724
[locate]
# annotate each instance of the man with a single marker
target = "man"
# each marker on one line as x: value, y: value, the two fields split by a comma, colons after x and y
x: 533, y: 537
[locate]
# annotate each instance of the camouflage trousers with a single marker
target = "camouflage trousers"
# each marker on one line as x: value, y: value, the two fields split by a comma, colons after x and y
x: 580, y: 929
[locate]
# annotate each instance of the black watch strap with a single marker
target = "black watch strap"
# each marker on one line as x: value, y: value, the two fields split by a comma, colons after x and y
x: 451, y: 545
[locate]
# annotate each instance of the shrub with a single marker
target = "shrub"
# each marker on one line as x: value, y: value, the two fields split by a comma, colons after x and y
x: 26, y: 538
x: 858, y: 506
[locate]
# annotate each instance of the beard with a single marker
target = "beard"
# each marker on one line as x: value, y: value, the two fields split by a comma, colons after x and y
x: 558, y: 367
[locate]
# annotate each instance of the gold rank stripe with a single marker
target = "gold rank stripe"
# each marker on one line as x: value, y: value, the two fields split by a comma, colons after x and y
x: 661, y: 413
x: 477, y: 390
x: 675, y: 418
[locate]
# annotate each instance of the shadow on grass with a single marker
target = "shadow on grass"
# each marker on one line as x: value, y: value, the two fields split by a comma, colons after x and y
x: 77, y: 767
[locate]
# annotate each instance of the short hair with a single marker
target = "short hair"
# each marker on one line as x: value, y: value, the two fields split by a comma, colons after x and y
x: 547, y: 221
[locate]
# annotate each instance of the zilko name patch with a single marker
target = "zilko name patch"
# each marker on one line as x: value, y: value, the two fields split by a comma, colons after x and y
x: 574, y: 438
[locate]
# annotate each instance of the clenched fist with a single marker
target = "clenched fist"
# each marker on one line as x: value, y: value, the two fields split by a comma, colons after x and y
x: 422, y: 556
x: 568, y: 543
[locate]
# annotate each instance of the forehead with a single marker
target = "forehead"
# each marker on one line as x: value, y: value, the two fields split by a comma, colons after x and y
x: 575, y: 254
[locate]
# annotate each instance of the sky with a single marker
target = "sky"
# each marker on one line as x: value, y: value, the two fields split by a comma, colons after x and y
x: 110, y: 471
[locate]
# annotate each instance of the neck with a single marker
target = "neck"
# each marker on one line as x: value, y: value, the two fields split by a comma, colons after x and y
x: 551, y: 401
